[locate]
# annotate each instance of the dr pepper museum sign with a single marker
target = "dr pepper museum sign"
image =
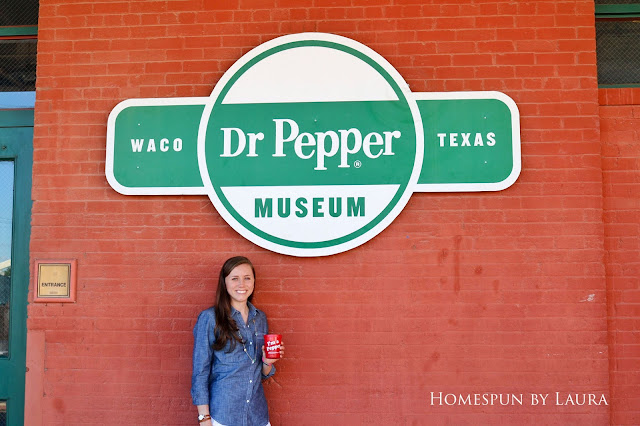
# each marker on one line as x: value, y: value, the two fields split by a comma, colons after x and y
x: 311, y: 144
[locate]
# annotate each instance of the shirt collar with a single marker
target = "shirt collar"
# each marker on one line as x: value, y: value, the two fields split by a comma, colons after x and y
x: 252, y: 311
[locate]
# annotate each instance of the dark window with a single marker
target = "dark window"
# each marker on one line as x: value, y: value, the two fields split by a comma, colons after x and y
x: 18, y: 40
x: 618, y: 47
x: 618, y: 42
x: 15, y: 13
x: 599, y: 2
x: 3, y: 413
x: 17, y: 65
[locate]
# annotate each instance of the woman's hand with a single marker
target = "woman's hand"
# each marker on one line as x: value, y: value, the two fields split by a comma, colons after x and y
x: 269, y: 361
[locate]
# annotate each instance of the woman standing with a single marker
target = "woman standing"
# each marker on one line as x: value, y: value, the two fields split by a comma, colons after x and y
x: 228, y: 353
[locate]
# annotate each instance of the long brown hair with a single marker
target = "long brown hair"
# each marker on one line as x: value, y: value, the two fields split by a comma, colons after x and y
x: 226, y: 328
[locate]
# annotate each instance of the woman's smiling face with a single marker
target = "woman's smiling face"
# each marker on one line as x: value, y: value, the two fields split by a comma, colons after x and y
x: 239, y: 284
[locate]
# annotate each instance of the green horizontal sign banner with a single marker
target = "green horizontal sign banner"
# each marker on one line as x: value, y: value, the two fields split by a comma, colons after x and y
x: 471, y: 143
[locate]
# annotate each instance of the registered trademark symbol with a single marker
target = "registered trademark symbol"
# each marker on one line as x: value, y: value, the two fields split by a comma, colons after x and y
x: 357, y: 164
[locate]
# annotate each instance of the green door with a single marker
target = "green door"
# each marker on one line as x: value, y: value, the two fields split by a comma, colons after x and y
x: 16, y: 158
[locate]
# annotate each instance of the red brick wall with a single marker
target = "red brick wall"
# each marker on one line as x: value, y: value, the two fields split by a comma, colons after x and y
x: 464, y: 293
x: 621, y: 178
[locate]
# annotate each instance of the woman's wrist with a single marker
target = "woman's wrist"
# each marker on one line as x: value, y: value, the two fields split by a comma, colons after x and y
x: 266, y: 367
x: 203, y: 417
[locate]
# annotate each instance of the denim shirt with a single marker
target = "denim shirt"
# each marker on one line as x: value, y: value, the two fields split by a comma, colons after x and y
x: 230, y: 381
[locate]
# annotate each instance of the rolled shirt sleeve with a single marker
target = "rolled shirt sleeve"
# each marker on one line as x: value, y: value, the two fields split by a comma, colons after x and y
x: 271, y: 373
x: 204, y: 337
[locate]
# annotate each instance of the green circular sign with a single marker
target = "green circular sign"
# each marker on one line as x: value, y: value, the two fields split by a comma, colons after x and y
x: 310, y: 145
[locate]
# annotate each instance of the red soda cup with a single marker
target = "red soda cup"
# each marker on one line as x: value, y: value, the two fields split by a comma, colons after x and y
x: 272, y: 346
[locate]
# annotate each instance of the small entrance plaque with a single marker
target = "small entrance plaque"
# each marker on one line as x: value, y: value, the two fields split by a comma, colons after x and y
x: 55, y: 281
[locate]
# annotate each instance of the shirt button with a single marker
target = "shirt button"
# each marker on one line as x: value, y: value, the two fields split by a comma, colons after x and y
x: 251, y: 343
x: 247, y: 401
x: 250, y: 381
